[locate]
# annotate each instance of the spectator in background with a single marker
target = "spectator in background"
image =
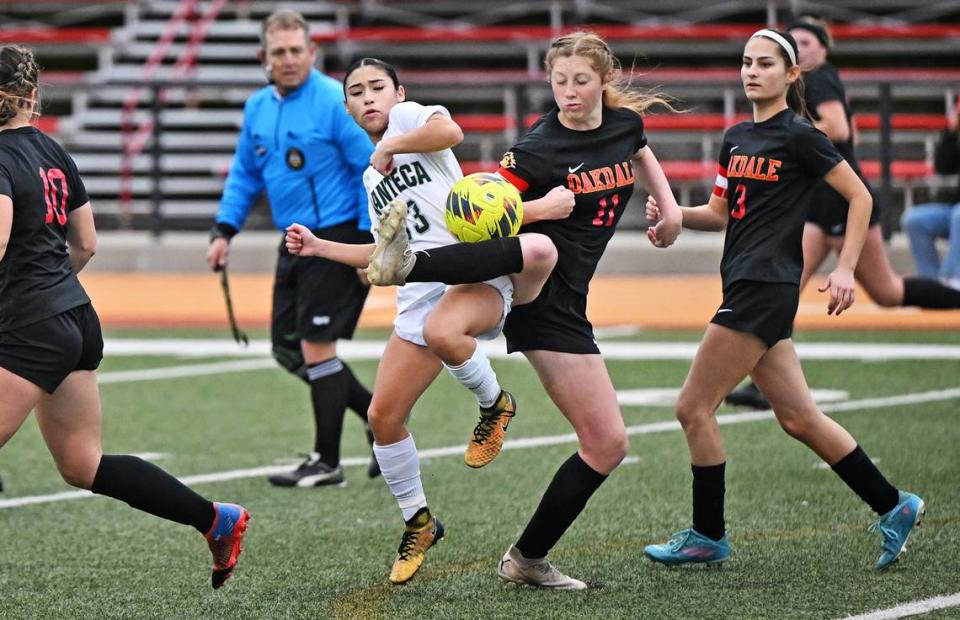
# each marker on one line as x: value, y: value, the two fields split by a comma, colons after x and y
x: 299, y: 145
x: 926, y: 223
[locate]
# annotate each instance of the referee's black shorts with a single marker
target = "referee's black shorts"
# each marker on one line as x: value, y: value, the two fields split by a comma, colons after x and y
x: 828, y: 210
x: 554, y: 321
x: 316, y: 299
x: 764, y: 309
x: 45, y: 352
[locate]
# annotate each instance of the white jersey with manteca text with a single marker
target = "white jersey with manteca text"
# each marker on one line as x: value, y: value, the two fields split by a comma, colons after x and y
x: 423, y: 180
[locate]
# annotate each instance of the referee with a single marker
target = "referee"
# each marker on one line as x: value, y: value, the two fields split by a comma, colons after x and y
x: 299, y: 146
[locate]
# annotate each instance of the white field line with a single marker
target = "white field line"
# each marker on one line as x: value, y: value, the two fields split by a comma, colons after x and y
x: 911, y: 609
x: 373, y: 349
x: 187, y: 370
x: 519, y: 444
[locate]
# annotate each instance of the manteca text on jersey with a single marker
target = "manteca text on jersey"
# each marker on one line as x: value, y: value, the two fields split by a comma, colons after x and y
x: 403, y: 177
x: 601, y: 179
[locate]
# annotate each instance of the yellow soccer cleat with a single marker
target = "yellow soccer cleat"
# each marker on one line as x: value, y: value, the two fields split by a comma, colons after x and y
x: 423, y: 531
x: 489, y: 432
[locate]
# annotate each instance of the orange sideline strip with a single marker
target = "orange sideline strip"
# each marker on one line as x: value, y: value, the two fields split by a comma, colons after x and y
x: 653, y: 302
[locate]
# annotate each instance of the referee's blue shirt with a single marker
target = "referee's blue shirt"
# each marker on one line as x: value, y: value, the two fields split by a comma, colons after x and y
x: 306, y: 152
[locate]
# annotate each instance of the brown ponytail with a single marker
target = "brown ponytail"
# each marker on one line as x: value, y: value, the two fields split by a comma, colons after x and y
x: 19, y: 77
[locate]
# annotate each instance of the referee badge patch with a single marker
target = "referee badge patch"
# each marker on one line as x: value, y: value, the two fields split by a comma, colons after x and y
x: 295, y: 158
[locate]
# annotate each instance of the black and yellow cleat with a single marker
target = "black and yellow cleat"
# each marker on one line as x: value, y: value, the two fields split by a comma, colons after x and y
x: 490, y: 431
x: 423, y: 531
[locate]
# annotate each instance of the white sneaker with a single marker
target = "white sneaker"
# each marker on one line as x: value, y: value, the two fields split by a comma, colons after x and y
x: 515, y: 568
x: 392, y: 259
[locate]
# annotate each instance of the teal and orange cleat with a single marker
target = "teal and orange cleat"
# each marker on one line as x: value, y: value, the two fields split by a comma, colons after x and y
x: 896, y: 526
x: 225, y: 538
x: 689, y: 547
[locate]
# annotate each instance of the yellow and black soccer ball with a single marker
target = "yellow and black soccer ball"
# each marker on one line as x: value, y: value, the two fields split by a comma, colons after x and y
x: 483, y: 206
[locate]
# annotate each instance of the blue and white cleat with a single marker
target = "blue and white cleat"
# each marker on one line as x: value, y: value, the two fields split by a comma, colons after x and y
x: 896, y: 526
x: 689, y: 547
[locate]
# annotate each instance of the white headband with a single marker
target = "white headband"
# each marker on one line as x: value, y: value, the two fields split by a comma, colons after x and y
x: 777, y: 38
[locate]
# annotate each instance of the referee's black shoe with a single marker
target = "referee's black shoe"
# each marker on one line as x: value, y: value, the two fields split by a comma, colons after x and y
x: 312, y: 472
x: 748, y: 395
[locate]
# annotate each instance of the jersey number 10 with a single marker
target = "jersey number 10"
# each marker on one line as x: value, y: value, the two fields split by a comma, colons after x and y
x: 50, y: 179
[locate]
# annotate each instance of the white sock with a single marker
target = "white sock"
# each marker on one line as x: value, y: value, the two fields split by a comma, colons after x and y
x: 476, y: 374
x: 400, y: 467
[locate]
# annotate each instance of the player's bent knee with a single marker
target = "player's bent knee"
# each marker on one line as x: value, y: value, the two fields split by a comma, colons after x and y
x: 690, y: 413
x: 606, y: 452
x: 538, y: 251
x: 77, y: 474
x: 797, y: 426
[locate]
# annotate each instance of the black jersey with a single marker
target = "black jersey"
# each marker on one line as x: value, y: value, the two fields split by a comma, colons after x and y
x: 36, y: 279
x: 821, y: 86
x: 768, y: 173
x: 596, y: 166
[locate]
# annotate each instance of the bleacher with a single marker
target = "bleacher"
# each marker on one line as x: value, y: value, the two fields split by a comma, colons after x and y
x: 484, y: 65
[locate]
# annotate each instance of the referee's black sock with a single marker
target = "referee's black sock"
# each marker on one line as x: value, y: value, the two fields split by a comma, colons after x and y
x: 464, y: 263
x: 709, y: 486
x: 358, y: 397
x: 928, y: 293
x: 146, y: 487
x: 328, y: 391
x: 571, y: 487
x: 861, y: 475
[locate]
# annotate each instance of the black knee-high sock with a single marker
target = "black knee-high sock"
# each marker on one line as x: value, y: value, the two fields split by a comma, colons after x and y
x: 463, y: 263
x: 358, y: 397
x: 709, y: 487
x: 571, y: 487
x: 927, y: 293
x: 146, y: 487
x: 328, y: 391
x: 861, y: 475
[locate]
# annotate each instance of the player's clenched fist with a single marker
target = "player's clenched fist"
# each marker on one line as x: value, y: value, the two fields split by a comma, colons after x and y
x: 559, y: 203
x: 300, y: 241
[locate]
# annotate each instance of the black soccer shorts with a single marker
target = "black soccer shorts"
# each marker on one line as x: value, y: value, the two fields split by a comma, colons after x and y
x: 45, y: 352
x: 316, y: 299
x: 764, y: 309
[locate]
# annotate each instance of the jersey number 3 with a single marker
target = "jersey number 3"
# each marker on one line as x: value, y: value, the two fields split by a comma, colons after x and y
x: 741, y: 209
x: 55, y: 198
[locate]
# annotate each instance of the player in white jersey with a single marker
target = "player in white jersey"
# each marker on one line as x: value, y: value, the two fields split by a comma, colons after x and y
x: 411, y: 172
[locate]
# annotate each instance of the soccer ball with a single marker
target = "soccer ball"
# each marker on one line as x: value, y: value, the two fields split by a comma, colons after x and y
x: 483, y: 206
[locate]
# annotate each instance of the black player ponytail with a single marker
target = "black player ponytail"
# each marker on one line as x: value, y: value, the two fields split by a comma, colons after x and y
x: 372, y: 62
x: 19, y: 77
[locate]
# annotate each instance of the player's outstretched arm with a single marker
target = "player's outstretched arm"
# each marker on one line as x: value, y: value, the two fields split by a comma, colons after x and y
x: 667, y: 227
x: 711, y: 216
x: 301, y: 242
